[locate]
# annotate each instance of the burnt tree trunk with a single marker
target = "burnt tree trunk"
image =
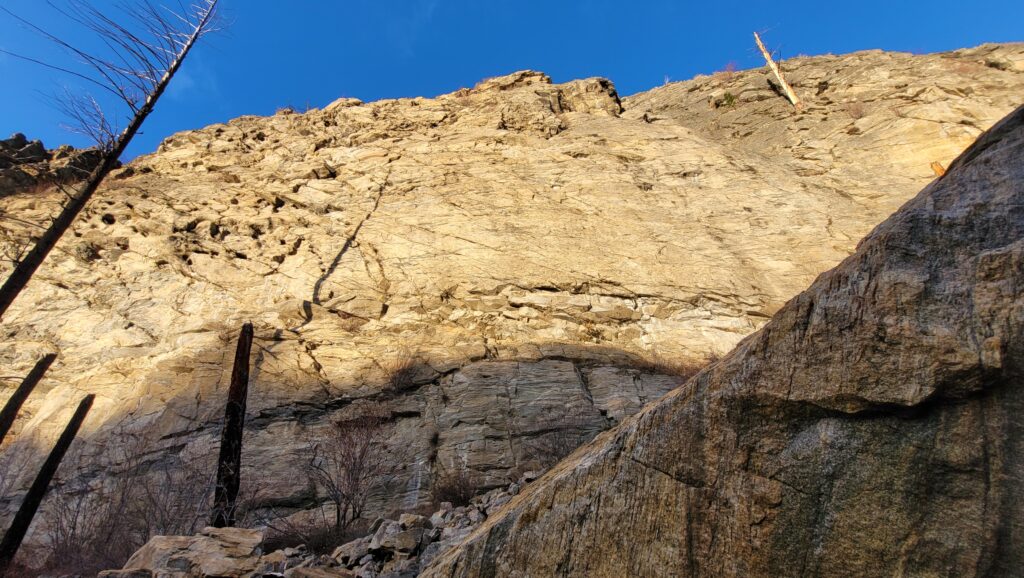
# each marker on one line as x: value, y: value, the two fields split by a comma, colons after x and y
x: 14, y: 404
x: 28, y: 265
x: 23, y: 519
x: 229, y: 465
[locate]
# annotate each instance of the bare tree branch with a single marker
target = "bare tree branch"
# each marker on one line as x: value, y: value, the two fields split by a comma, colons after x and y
x: 349, y: 463
x: 144, y: 58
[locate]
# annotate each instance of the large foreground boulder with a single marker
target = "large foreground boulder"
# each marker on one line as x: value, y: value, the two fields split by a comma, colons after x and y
x: 875, y: 427
x: 212, y: 552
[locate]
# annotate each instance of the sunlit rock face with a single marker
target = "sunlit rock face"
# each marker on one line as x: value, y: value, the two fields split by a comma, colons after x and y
x: 535, y: 261
x: 872, y: 427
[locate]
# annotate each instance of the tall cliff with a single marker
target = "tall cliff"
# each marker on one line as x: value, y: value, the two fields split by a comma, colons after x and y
x: 872, y: 427
x: 526, y: 257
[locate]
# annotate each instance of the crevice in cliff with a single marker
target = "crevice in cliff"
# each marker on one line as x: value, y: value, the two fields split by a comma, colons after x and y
x: 695, y: 484
x: 350, y: 240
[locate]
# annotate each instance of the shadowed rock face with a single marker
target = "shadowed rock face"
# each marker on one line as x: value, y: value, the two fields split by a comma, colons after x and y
x: 872, y: 427
x: 27, y: 167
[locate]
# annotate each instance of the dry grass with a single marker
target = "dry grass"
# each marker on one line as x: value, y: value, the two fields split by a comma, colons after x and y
x: 727, y: 74
x: 400, y: 371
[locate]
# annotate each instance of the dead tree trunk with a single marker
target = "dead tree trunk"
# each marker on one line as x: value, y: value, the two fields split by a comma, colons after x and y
x: 14, y: 404
x: 23, y: 519
x: 28, y: 265
x: 229, y: 466
x: 793, y: 98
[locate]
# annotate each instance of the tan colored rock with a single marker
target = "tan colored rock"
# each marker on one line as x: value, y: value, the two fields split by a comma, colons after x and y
x: 521, y: 246
x: 872, y: 427
x: 215, y: 552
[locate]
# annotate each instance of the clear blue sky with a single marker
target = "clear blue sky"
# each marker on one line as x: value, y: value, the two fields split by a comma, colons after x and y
x: 309, y: 52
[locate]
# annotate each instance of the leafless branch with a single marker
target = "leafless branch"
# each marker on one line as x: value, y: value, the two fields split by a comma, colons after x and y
x: 144, y: 50
x: 349, y: 462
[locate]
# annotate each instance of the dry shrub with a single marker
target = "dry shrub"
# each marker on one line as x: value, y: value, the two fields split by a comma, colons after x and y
x: 457, y: 486
x: 347, y: 464
x: 350, y: 462
x: 95, y: 518
x: 400, y: 371
x: 728, y: 73
x: 319, y: 537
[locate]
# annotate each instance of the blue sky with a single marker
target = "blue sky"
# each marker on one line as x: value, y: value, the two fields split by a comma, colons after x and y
x: 309, y: 52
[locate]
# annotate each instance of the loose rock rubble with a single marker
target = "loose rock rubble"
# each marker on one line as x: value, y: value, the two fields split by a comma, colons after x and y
x: 393, y: 549
x: 399, y: 549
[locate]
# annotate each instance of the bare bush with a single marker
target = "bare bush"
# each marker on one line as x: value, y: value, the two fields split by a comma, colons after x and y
x: 346, y: 464
x: 400, y: 371
x: 92, y: 524
x: 727, y: 74
x: 319, y: 535
x: 176, y: 496
x: 557, y: 438
x: 457, y: 486
x: 349, y: 463
x: 95, y: 518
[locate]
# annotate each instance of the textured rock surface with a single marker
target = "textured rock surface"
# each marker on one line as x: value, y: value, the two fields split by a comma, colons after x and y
x: 515, y: 243
x: 213, y: 552
x: 395, y: 549
x: 27, y: 165
x: 872, y: 427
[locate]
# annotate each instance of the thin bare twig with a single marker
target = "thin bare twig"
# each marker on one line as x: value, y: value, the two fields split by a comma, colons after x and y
x: 143, y: 59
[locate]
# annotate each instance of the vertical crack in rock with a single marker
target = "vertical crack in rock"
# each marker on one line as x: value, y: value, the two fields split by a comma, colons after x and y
x: 349, y: 241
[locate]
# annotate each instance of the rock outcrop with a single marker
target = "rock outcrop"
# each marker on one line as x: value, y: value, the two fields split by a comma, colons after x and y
x: 393, y: 548
x: 212, y: 552
x: 505, y: 268
x: 27, y: 166
x: 872, y: 427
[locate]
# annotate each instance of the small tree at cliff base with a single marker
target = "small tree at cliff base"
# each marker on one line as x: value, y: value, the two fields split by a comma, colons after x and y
x: 349, y: 462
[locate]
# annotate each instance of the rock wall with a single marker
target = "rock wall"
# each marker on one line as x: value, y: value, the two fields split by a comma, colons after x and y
x: 27, y: 167
x: 872, y: 427
x: 538, y: 253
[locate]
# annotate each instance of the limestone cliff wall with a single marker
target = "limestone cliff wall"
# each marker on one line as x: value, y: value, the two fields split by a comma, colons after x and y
x: 536, y: 253
x: 872, y: 427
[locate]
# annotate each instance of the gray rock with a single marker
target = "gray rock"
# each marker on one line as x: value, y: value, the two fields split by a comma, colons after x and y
x: 383, y: 537
x: 405, y: 541
x: 350, y: 553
